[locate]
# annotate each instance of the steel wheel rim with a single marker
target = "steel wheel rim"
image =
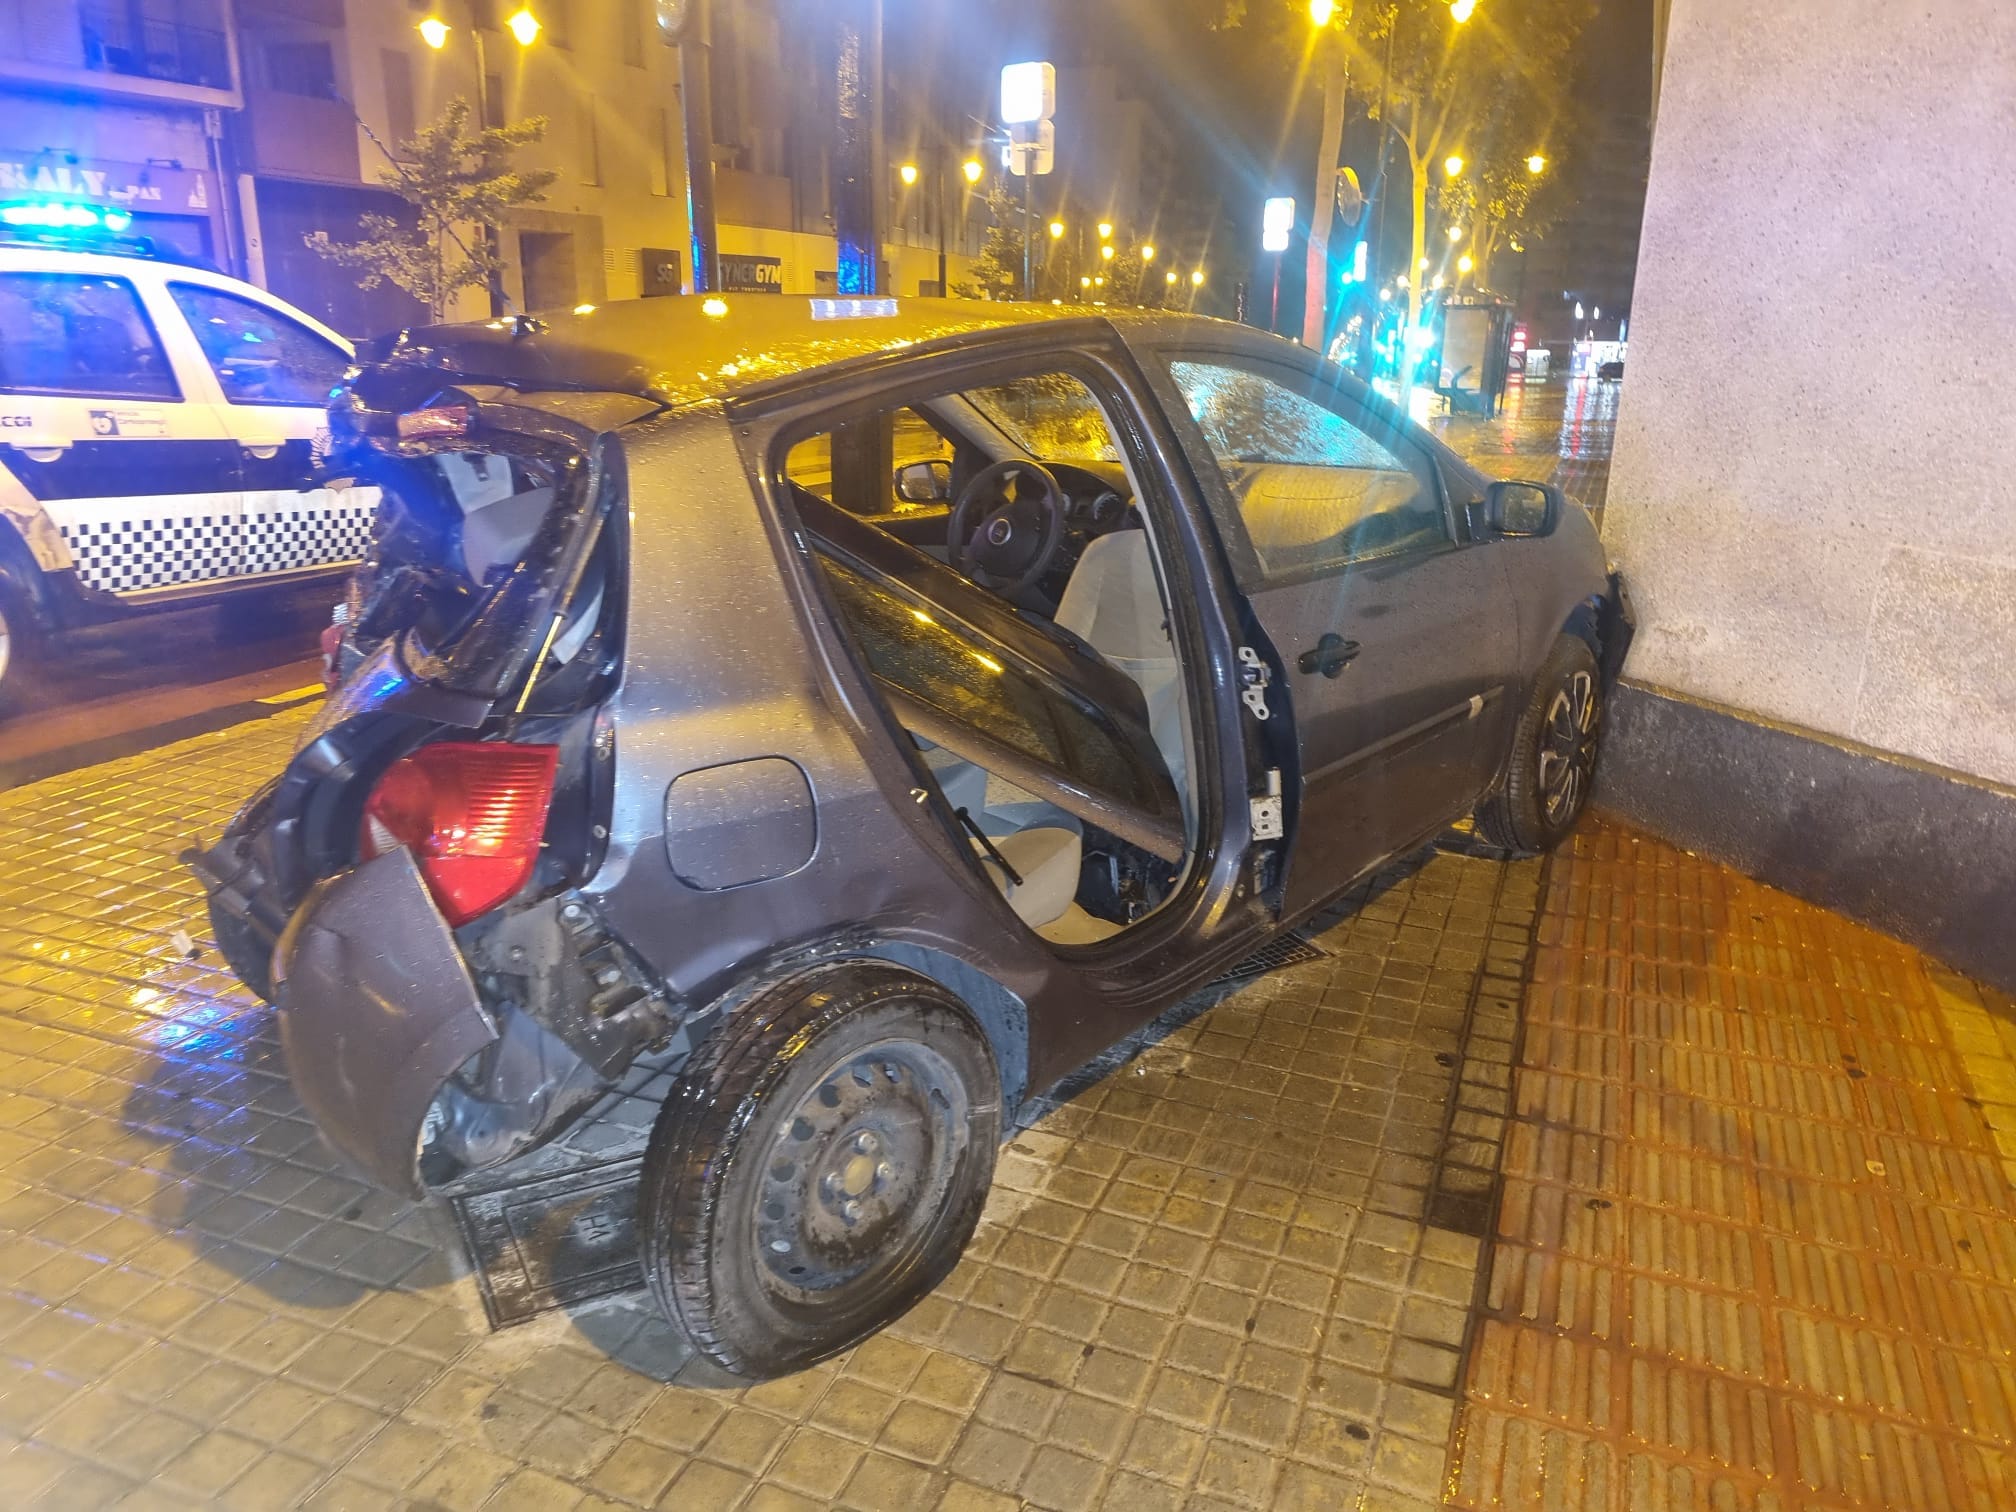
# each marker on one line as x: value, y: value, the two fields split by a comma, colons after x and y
x: 1568, y: 747
x: 854, y: 1183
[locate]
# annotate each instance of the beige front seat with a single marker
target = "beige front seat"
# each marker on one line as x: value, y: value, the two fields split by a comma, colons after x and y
x: 1114, y: 604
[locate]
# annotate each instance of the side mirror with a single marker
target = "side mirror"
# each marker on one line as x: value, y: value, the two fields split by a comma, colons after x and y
x: 1513, y: 507
x: 925, y: 482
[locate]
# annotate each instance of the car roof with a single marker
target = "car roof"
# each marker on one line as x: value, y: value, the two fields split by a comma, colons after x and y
x: 689, y: 349
x: 24, y: 257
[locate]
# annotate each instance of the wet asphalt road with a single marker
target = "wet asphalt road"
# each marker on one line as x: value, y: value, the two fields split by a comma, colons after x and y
x: 1558, y: 431
x: 115, y: 689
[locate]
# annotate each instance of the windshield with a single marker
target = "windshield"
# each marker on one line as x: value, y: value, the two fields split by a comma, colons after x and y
x: 1049, y: 415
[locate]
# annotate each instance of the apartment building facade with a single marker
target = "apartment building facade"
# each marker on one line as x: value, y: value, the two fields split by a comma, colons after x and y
x: 236, y: 130
x: 123, y: 103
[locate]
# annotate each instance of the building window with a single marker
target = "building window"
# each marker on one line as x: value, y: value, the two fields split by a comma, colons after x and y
x: 631, y: 20
x: 181, y: 41
x: 399, y: 118
x: 301, y: 68
x: 556, y: 22
x: 591, y: 145
x: 662, y: 175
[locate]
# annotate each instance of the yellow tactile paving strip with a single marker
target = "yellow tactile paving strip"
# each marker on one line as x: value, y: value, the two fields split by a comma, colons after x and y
x: 1757, y: 1248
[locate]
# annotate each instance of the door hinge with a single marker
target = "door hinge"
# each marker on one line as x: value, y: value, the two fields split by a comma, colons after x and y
x: 1254, y: 676
x: 1265, y: 811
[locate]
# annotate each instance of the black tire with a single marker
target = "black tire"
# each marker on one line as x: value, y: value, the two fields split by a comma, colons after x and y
x: 1553, y: 761
x: 819, y: 1166
x: 245, y: 951
x: 21, y: 642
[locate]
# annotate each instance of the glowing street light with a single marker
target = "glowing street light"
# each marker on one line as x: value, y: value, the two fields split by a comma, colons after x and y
x: 1085, y: 281
x: 1169, y: 277
x: 1422, y: 265
x: 1196, y: 278
x: 1452, y: 165
x: 1462, y: 10
x: 1098, y: 283
x: 1320, y: 12
x: 1435, y: 282
x: 1385, y: 293
x: 1465, y: 263
x: 524, y: 25
x: 1455, y: 234
x: 1537, y: 163
x: 1147, y: 252
x: 907, y: 173
x: 1105, y: 229
x: 1578, y: 309
x: 1056, y: 230
x: 434, y: 32
x: 972, y: 169
x: 1107, y: 252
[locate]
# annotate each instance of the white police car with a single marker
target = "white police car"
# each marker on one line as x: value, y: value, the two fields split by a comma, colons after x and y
x: 157, y: 432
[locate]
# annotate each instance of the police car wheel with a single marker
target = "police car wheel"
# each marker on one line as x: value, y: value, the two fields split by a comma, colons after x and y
x: 20, y: 640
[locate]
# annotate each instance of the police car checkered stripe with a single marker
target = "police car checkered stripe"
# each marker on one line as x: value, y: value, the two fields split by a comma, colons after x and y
x: 280, y: 537
x: 150, y: 543
x: 132, y: 545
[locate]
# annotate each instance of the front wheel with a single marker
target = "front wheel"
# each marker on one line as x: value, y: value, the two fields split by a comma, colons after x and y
x: 1553, y: 761
x: 819, y: 1166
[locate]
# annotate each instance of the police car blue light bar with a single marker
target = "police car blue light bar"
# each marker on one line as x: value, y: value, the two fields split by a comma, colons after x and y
x: 64, y: 215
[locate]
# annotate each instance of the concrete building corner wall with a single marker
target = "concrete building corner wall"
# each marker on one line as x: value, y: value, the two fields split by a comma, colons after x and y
x: 1812, y: 492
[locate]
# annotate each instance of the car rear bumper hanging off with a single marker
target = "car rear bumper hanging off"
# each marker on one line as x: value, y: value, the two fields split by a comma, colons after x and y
x: 378, y: 1010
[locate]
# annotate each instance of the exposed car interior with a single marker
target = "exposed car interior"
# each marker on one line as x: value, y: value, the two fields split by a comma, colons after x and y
x: 986, y: 551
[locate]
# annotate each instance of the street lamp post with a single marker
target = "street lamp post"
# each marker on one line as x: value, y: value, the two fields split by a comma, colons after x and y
x: 524, y: 27
x: 908, y: 173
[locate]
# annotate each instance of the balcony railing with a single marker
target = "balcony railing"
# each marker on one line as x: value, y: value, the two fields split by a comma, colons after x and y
x: 119, y: 39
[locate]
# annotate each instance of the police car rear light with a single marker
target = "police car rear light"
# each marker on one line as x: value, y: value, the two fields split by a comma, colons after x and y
x: 473, y: 814
x: 443, y: 422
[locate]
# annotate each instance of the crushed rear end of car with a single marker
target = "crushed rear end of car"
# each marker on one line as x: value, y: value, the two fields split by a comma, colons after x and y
x: 408, y: 892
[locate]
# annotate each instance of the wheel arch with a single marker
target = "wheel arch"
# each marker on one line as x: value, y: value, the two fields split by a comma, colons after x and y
x: 1584, y: 621
x: 23, y: 575
x: 1003, y: 1016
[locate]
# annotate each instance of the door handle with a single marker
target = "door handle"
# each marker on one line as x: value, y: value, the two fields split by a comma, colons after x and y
x: 261, y: 451
x: 1328, y: 656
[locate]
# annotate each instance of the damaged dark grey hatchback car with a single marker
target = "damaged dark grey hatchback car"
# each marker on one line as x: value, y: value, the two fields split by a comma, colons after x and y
x: 874, y: 709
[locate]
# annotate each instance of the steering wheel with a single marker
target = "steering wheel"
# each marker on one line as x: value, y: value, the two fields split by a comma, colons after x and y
x: 1006, y: 541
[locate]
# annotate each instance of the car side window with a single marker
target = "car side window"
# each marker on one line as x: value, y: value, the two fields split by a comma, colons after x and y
x: 81, y: 335
x: 258, y: 354
x: 1315, y: 490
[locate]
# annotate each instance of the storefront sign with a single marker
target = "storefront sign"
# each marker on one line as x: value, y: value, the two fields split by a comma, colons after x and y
x: 658, y: 271
x: 741, y: 274
x: 145, y: 187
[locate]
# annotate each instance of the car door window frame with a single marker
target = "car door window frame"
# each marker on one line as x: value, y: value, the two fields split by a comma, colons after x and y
x: 866, y: 411
x: 1306, y: 379
x: 173, y: 380
x: 176, y: 289
x: 768, y: 420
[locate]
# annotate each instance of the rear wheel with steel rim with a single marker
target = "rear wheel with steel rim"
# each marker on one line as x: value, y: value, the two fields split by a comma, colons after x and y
x: 819, y: 1166
x: 1553, y: 760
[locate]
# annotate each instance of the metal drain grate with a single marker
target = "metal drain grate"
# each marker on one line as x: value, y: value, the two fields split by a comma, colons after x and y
x: 554, y: 1240
x: 1283, y: 950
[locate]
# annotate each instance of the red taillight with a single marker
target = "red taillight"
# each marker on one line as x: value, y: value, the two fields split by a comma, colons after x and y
x: 472, y: 813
